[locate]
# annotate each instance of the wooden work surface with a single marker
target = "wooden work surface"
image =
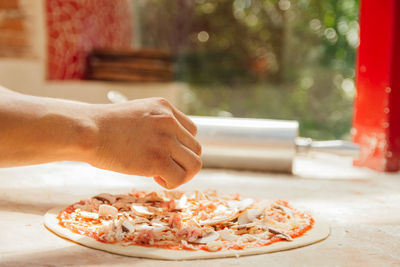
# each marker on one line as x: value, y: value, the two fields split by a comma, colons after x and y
x: 362, y: 207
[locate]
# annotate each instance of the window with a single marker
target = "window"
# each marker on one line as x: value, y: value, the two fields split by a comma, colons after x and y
x: 262, y: 59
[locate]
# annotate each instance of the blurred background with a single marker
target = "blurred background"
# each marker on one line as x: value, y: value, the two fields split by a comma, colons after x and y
x: 276, y: 59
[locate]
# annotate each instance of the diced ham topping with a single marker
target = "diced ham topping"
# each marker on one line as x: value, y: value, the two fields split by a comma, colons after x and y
x: 169, y: 205
x: 175, y: 221
x: 145, y: 237
x: 190, y: 234
x: 186, y: 221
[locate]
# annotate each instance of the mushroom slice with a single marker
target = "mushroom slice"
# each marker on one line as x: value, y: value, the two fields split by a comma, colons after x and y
x: 182, y: 203
x: 250, y: 228
x: 194, y: 222
x: 249, y: 216
x: 229, y: 215
x: 198, y: 195
x: 280, y: 234
x: 106, y: 198
x: 107, y: 211
x: 122, y: 205
x: 151, y: 197
x: 141, y: 210
x: 159, y: 226
x: 156, y: 229
x: 127, y: 226
x: 288, y: 213
x: 227, y: 235
x: 158, y: 222
x: 140, y: 227
x: 214, y: 246
x: 154, y: 210
x: 285, y: 236
x: 125, y: 197
x: 247, y: 238
x: 241, y: 205
x: 210, y: 237
x: 139, y: 220
x: 252, y: 214
x: 243, y: 219
x: 243, y: 226
x: 220, y: 209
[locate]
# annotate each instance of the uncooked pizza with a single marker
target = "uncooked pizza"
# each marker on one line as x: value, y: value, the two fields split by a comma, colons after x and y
x: 180, y: 225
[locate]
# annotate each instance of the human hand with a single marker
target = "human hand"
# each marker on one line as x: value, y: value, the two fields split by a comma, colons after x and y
x: 147, y: 137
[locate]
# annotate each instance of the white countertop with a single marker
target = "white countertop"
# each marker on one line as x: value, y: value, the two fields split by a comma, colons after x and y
x: 362, y: 207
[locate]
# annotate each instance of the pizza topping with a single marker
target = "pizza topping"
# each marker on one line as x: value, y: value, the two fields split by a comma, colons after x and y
x: 140, y: 220
x: 169, y: 205
x: 127, y: 226
x: 89, y: 205
x: 221, y: 217
x: 182, y: 203
x: 174, y: 220
x: 214, y: 246
x: 241, y: 205
x: 187, y: 245
x: 227, y: 235
x: 89, y: 215
x: 210, y: 237
x: 151, y: 197
x: 108, y: 212
x: 106, y: 198
x: 198, y: 195
x: 280, y: 234
x: 124, y: 202
x: 141, y: 210
x: 190, y: 234
x: 145, y: 237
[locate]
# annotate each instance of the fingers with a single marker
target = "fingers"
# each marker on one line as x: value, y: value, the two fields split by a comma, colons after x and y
x: 187, y: 140
x: 188, y: 160
x: 183, y: 160
x: 182, y: 118
x: 180, y: 168
x: 185, y: 121
x: 172, y: 175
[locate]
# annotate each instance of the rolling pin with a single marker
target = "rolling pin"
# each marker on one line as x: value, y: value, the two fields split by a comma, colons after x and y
x: 258, y: 144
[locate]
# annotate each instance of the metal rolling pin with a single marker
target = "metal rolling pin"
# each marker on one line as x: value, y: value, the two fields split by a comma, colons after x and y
x: 258, y: 144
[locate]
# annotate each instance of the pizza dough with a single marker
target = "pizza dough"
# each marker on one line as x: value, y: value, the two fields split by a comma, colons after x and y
x: 319, y: 231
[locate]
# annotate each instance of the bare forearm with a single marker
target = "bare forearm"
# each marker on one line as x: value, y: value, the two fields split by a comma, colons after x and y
x: 147, y: 137
x: 36, y: 130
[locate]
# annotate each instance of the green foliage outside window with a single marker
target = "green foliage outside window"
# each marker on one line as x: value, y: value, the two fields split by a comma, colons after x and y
x: 262, y: 58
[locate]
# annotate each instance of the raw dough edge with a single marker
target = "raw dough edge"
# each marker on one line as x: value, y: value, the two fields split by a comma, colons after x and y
x: 319, y: 232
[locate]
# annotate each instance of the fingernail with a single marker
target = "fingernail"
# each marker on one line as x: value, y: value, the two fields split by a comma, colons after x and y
x: 160, y: 181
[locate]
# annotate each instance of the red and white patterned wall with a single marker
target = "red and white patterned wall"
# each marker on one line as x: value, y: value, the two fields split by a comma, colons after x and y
x: 75, y: 27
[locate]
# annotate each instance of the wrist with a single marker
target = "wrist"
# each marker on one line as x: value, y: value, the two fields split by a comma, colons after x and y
x: 70, y: 130
x: 84, y: 133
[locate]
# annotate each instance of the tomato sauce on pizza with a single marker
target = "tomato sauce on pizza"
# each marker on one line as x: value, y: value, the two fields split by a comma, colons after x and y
x: 185, y: 221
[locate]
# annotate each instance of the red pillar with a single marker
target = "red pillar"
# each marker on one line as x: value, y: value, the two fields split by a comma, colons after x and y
x: 376, y: 125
